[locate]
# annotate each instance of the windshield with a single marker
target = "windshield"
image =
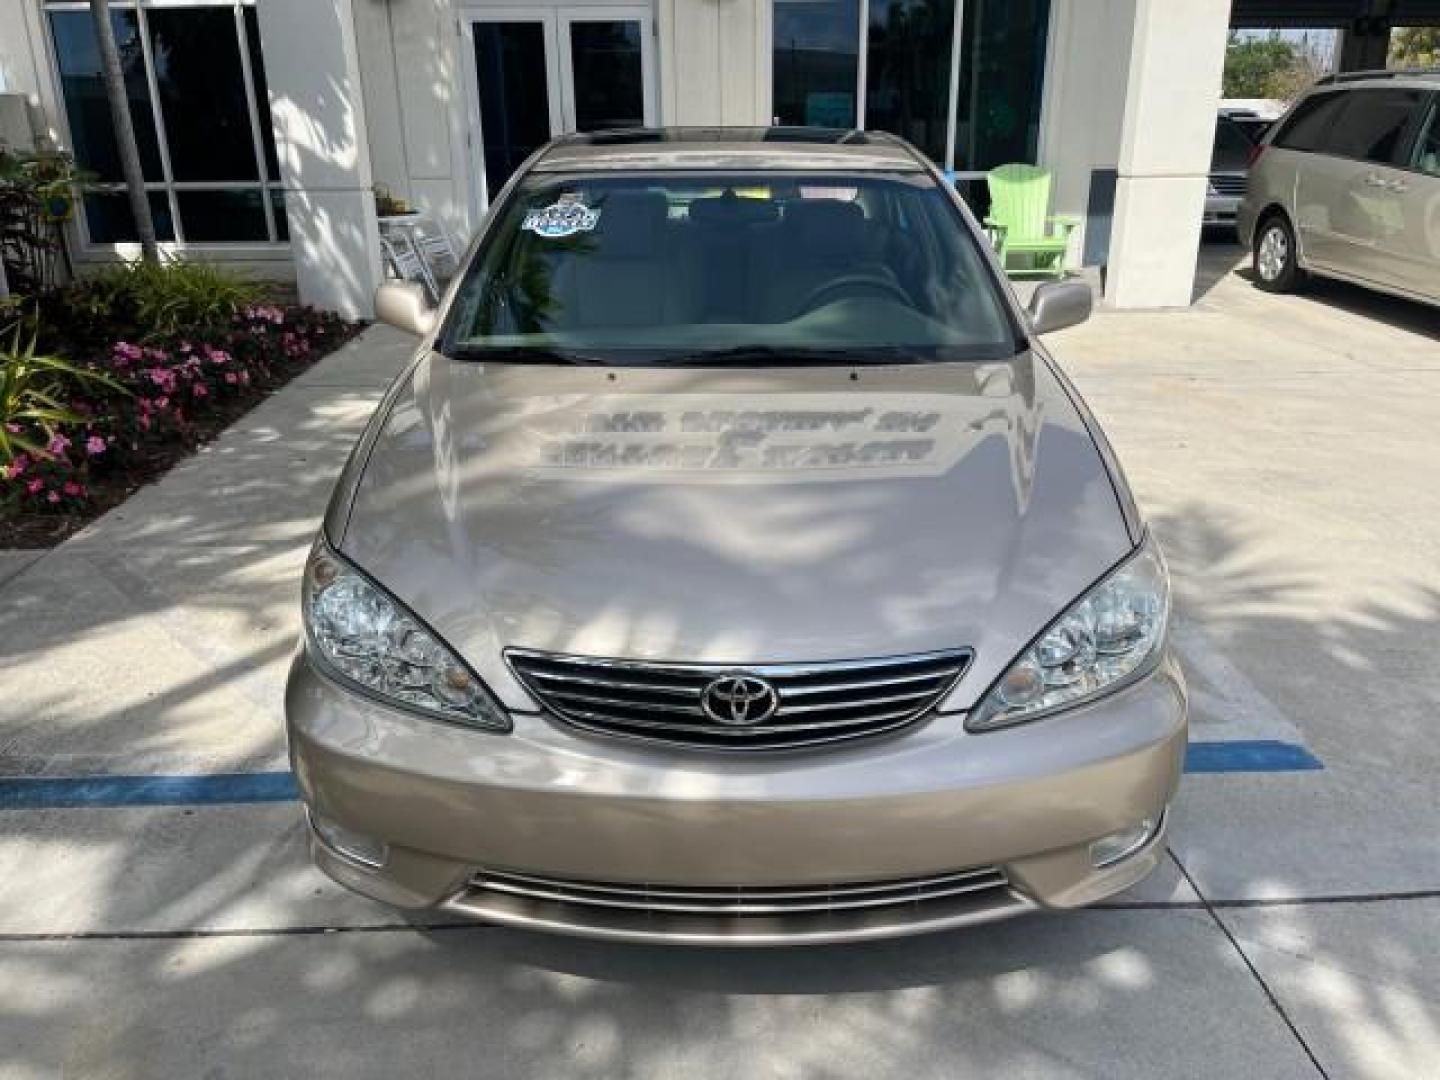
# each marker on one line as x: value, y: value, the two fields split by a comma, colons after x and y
x: 1232, y: 147
x: 759, y: 268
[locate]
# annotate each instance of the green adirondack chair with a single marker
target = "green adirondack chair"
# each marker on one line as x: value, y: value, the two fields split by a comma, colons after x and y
x: 1025, y: 235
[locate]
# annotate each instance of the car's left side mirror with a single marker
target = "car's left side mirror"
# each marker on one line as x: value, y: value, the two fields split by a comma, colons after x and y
x: 406, y: 306
x: 1060, y: 304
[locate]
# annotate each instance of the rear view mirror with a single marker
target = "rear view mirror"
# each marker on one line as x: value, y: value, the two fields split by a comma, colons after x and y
x: 1060, y: 304
x: 405, y: 306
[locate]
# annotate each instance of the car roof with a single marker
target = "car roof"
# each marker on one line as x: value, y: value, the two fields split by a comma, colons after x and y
x: 1423, y: 78
x: 779, y: 148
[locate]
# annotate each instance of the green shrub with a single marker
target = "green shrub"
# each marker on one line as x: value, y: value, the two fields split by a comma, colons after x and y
x: 150, y: 300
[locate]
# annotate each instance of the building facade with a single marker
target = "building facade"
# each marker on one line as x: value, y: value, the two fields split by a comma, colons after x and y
x: 264, y: 125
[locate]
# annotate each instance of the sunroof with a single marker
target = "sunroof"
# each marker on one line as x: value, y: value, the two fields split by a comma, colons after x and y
x: 641, y: 136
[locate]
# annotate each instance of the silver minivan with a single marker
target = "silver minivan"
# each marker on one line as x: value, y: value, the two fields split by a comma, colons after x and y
x: 1347, y: 185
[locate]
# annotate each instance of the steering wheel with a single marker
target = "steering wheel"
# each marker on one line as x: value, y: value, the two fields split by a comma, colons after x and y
x: 874, y: 283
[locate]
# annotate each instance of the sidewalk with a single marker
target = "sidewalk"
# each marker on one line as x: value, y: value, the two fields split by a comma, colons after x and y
x: 1282, y: 447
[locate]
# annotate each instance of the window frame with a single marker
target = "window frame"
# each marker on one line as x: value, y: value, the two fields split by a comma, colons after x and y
x: 268, y: 187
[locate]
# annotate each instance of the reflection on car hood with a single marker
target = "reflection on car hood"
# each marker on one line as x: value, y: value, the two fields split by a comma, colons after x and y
x: 735, y: 515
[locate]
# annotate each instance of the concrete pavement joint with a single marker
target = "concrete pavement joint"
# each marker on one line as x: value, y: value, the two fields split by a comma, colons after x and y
x: 1249, y: 964
x: 1212, y: 907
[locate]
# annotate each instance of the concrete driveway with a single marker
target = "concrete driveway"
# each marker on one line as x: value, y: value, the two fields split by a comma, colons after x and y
x: 1285, y: 449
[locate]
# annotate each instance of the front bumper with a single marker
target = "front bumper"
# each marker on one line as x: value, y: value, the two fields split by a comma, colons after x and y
x: 1222, y: 209
x: 587, y: 816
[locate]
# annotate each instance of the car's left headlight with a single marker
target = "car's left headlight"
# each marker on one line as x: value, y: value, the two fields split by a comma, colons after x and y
x: 367, y: 638
x: 1111, y: 636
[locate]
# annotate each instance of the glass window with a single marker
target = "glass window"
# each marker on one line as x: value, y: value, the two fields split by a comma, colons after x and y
x: 205, y: 182
x: 514, y: 104
x: 816, y: 62
x: 1372, y: 125
x: 108, y: 217
x: 1426, y: 157
x: 223, y: 216
x: 736, y: 268
x: 1002, y: 72
x: 909, y: 56
x: 1232, y: 147
x: 609, y: 74
x: 82, y: 82
x: 907, y: 71
x: 1307, y: 125
x: 202, y: 93
x: 262, y: 94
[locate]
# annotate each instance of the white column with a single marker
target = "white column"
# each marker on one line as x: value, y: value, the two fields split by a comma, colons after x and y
x: 1172, y: 92
x: 317, y: 106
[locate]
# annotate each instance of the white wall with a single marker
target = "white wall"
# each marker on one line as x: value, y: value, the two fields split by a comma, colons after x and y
x: 413, y: 84
x: 318, y: 112
x: 19, y: 69
x: 714, y: 61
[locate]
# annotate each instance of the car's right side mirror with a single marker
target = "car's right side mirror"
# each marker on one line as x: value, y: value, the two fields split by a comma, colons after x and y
x: 1059, y: 304
x: 406, y: 306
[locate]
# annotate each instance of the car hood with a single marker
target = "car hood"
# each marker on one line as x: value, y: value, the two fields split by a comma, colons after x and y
x: 735, y: 516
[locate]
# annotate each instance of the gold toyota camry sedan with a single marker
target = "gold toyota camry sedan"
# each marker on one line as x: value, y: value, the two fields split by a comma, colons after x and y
x: 732, y: 565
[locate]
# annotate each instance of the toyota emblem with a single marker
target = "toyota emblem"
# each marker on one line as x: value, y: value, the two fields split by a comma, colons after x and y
x: 739, y: 700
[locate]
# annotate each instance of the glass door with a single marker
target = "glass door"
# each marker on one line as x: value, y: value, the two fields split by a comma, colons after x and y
x: 516, y: 89
x: 538, y: 72
x: 607, y: 68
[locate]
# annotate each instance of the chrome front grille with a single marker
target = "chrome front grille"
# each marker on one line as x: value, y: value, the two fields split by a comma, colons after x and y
x: 737, y: 901
x: 677, y: 703
x: 1227, y: 184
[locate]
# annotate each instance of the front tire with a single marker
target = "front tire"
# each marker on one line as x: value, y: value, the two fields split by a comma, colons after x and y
x: 1275, y: 265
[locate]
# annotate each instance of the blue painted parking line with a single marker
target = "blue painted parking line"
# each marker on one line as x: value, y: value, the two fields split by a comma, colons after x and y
x: 1249, y: 756
x: 57, y: 793
x: 54, y: 792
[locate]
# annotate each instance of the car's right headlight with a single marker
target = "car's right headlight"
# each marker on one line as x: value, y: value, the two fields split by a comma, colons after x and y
x: 365, y: 637
x: 1111, y: 636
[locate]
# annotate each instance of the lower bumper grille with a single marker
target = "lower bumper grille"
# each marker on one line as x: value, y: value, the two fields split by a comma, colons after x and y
x: 743, y: 900
x: 741, y: 914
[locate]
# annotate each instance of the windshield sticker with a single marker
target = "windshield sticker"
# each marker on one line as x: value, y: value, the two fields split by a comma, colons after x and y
x: 564, y: 217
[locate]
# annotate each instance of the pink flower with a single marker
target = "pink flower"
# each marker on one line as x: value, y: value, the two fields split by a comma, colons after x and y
x: 34, y: 486
x: 126, y: 352
x: 18, y: 465
x: 231, y: 378
x: 73, y: 489
x: 53, y: 497
x: 14, y: 429
x: 94, y: 445
x: 58, y: 444
x: 199, y: 390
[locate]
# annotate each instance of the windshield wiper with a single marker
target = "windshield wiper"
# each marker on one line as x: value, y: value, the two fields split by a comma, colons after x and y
x: 801, y: 356
x: 520, y: 354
